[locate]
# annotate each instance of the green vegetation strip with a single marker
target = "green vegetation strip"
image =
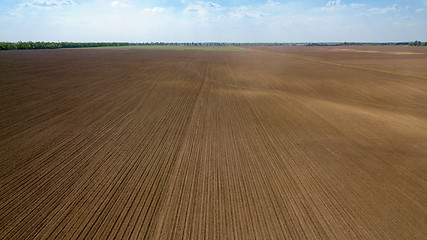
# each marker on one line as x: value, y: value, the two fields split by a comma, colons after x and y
x: 174, y: 48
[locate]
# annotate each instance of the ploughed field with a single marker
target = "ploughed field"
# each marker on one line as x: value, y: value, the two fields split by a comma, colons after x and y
x: 267, y: 143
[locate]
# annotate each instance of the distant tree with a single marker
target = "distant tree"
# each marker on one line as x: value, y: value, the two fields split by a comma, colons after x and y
x: 416, y: 43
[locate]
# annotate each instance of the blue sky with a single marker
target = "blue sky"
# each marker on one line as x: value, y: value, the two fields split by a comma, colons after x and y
x: 213, y: 20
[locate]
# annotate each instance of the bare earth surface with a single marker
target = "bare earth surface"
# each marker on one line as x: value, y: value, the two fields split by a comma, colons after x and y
x: 268, y: 143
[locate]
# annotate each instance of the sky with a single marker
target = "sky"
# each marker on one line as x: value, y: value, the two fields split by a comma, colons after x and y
x: 213, y: 20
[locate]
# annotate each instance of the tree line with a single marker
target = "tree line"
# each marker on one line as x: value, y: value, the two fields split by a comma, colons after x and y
x: 418, y: 43
x: 53, y: 45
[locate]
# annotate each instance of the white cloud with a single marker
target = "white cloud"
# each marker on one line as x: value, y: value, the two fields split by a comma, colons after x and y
x: 357, y: 5
x: 120, y: 4
x: 421, y: 10
x: 14, y: 14
x: 393, y: 8
x: 201, y: 21
x: 197, y: 10
x: 272, y: 3
x: 333, y: 5
x: 154, y: 10
x: 241, y: 12
x: 212, y: 4
x: 47, y: 4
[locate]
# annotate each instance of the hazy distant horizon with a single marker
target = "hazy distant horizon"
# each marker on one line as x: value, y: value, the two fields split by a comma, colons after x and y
x: 160, y: 42
x: 235, y: 21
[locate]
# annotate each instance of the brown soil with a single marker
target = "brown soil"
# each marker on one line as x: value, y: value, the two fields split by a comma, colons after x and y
x: 402, y: 59
x: 269, y: 143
